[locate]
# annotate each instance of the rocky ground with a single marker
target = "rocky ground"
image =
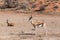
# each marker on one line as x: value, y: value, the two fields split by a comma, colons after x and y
x: 22, y: 29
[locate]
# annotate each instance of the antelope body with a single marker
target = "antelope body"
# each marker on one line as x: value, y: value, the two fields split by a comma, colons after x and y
x: 38, y: 23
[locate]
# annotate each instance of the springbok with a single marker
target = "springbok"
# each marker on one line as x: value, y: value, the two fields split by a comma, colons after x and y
x: 9, y: 24
x: 38, y: 23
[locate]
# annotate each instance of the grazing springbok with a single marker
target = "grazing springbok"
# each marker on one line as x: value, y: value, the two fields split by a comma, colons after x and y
x: 9, y: 24
x: 38, y: 23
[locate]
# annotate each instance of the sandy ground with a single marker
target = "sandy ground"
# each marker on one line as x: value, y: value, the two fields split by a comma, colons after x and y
x: 21, y: 24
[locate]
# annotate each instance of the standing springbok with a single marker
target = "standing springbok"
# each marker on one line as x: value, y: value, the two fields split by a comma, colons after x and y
x: 38, y: 23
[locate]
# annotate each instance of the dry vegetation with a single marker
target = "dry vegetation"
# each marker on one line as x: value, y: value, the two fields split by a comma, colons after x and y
x: 17, y: 19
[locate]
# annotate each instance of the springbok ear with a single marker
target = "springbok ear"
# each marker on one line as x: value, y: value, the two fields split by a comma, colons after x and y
x: 30, y: 17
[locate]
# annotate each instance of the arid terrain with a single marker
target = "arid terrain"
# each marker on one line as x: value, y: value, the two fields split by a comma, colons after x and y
x: 17, y: 19
x: 22, y: 29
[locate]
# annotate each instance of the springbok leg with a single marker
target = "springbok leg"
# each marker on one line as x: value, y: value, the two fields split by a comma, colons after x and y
x: 34, y: 27
x: 44, y: 26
